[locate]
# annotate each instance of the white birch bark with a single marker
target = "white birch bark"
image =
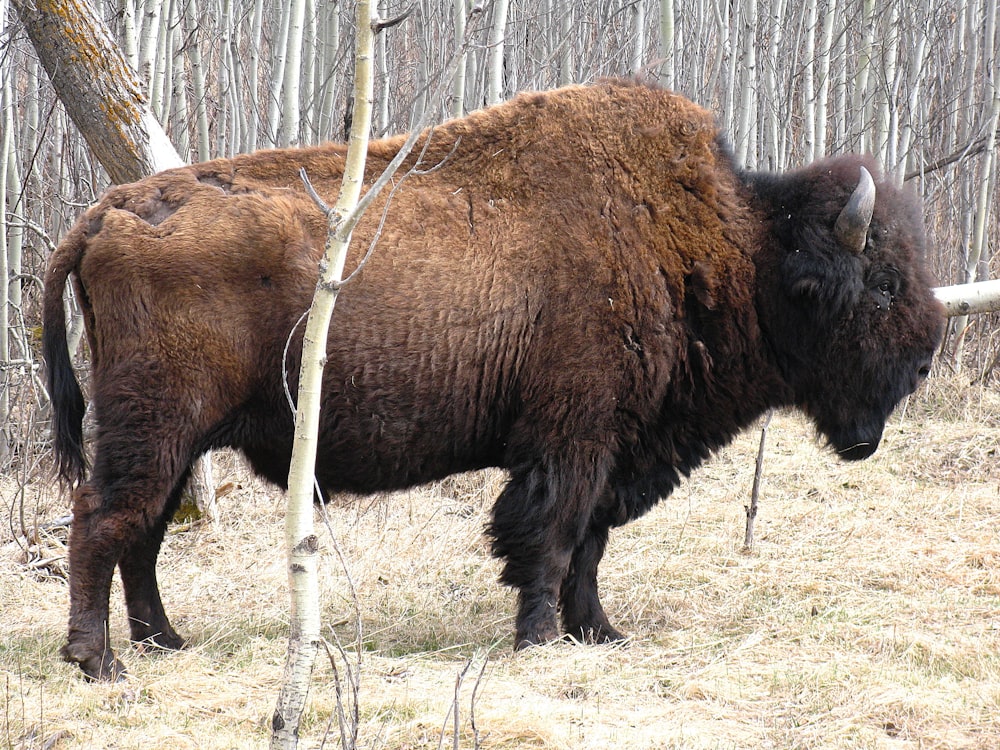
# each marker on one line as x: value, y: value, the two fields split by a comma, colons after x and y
x: 638, y: 46
x: 148, y: 40
x: 161, y: 61
x: 382, y: 65
x: 308, y: 127
x: 746, y: 109
x: 457, y: 104
x: 193, y: 47
x: 331, y: 50
x: 300, y: 538
x: 291, y: 113
x: 6, y: 156
x: 494, y: 54
x: 667, y: 43
x: 885, y: 127
x: 564, y: 12
x: 823, y: 92
x: 809, y: 83
x: 279, y: 54
x: 253, y: 77
x: 861, y: 106
x: 130, y: 42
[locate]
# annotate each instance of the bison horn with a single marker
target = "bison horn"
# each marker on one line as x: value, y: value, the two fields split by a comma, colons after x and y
x: 851, y: 228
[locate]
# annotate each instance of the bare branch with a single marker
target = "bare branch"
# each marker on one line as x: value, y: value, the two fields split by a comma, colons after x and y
x: 320, y: 203
x: 378, y: 24
x: 972, y: 148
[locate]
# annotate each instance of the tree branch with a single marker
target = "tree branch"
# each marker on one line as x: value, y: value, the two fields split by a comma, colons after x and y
x: 970, y: 149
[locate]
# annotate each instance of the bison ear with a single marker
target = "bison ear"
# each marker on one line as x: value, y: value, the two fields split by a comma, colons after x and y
x: 851, y: 228
x: 828, y: 285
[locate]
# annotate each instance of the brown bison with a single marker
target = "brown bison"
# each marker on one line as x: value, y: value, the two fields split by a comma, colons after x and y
x: 587, y: 292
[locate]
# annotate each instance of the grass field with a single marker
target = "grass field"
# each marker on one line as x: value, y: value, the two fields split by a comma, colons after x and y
x: 866, y: 616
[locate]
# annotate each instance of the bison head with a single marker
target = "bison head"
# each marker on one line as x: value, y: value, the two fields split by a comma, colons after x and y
x: 843, y: 297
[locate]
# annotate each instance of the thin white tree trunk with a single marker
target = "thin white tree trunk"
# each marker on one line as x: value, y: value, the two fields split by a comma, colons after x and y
x: 885, y: 119
x: 747, y: 120
x: 564, y: 10
x: 291, y: 113
x: 809, y: 82
x: 638, y: 47
x: 331, y: 49
x: 148, y: 40
x: 130, y: 43
x: 823, y: 94
x: 861, y: 106
x: 457, y: 106
x: 494, y: 53
x: 193, y: 47
x: 7, y: 154
x: 382, y: 65
x: 300, y: 538
x: 161, y: 61
x: 253, y: 77
x: 308, y: 126
x: 667, y: 43
x: 279, y: 51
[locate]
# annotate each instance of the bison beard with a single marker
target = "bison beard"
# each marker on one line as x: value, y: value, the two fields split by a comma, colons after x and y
x: 587, y: 293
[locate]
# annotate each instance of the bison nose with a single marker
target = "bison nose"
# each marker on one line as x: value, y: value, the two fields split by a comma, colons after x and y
x: 924, y: 369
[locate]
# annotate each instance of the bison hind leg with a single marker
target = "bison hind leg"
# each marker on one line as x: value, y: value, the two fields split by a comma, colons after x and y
x: 149, y: 627
x: 97, y: 660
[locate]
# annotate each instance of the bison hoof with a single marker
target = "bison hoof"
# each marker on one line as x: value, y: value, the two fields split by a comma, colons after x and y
x: 535, y: 637
x: 597, y: 635
x: 103, y: 667
x: 159, y: 642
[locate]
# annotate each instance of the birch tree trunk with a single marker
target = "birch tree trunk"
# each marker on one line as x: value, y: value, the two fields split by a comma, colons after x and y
x: 494, y: 54
x: 861, y: 106
x: 193, y: 32
x: 300, y: 538
x: 6, y: 154
x: 667, y: 43
x: 638, y: 49
x: 457, y: 108
x: 290, y: 100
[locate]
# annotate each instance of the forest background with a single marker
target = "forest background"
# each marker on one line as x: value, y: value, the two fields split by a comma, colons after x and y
x: 913, y: 83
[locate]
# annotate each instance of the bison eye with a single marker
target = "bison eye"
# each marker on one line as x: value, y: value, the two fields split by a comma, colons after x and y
x: 884, y: 287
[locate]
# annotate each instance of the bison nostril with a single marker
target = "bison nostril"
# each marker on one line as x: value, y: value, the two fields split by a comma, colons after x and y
x: 924, y: 371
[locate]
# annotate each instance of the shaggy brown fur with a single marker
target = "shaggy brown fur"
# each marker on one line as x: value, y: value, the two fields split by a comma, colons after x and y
x: 587, y: 293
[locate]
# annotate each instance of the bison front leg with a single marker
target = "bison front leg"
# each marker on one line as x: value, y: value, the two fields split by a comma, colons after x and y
x: 583, y: 615
x: 538, y: 522
x: 94, y: 549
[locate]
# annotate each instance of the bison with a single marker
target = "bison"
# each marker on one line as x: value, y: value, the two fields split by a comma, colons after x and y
x: 587, y: 292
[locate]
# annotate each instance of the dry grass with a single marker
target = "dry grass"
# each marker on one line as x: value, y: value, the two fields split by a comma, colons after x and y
x: 867, y: 616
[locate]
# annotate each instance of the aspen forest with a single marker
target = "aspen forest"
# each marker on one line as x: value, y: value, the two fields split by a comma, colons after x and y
x: 883, y: 663
x: 790, y: 82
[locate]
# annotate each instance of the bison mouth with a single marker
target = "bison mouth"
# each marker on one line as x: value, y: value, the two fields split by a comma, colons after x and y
x: 853, y: 441
x: 858, y: 451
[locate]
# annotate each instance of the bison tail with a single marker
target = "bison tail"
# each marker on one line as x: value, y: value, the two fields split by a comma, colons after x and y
x: 67, y: 399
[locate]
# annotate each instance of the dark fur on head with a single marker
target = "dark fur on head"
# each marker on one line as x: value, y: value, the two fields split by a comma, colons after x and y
x: 849, y: 330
